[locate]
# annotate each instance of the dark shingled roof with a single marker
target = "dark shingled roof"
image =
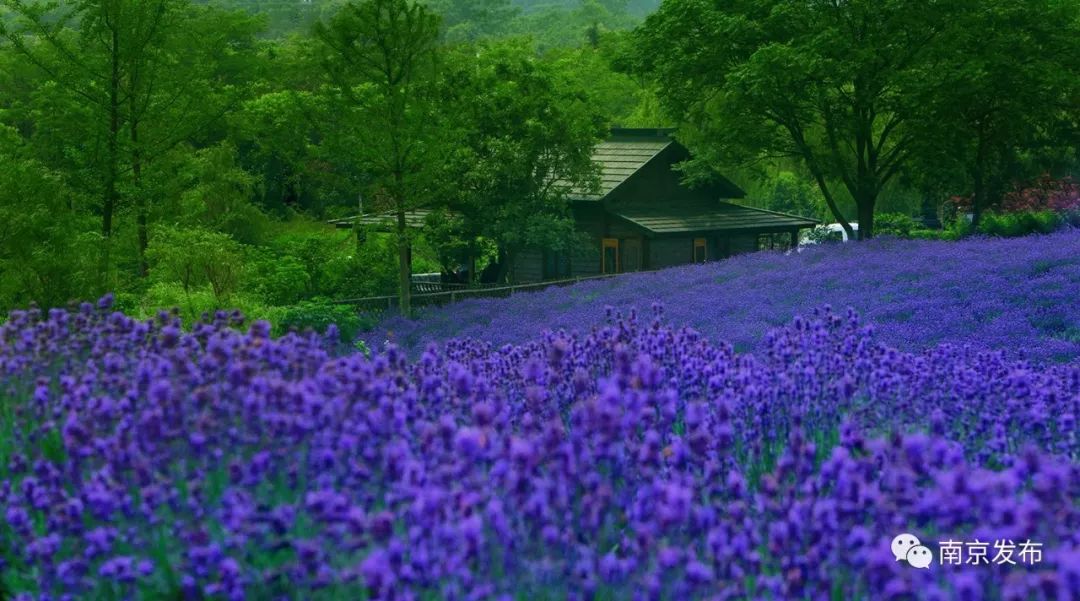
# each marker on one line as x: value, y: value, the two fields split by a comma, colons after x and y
x: 674, y: 218
x: 628, y: 150
x: 618, y: 160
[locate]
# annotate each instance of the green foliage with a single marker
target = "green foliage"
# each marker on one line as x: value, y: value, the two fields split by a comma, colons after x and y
x: 196, y: 257
x: 140, y: 78
x: 863, y: 91
x: 279, y: 279
x: 46, y: 242
x: 530, y: 141
x: 925, y: 234
x: 997, y: 115
x: 469, y: 20
x: 318, y: 315
x: 789, y: 193
x: 1012, y: 225
x: 382, y: 57
x: 895, y: 224
x: 193, y: 303
x: 217, y: 196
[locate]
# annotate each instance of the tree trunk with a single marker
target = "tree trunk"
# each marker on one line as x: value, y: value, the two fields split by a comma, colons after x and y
x: 978, y: 196
x: 140, y: 195
x: 112, y: 169
x: 866, y: 217
x: 404, y: 264
x: 819, y: 177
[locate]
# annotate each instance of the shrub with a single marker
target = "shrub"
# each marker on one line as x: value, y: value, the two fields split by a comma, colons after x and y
x: 821, y: 233
x: 278, y: 279
x: 894, y: 224
x: 925, y: 234
x: 319, y: 315
x: 195, y: 257
x: 1012, y: 225
x: 193, y: 303
x: 1044, y: 194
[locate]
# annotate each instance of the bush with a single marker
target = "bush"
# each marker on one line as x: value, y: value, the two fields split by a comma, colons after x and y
x: 192, y: 303
x: 960, y: 228
x: 925, y: 234
x: 279, y: 280
x: 196, y: 257
x: 894, y: 224
x: 319, y: 315
x: 1012, y: 225
x: 1044, y: 194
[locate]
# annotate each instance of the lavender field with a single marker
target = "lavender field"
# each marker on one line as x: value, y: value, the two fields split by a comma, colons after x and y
x: 1016, y: 295
x: 730, y: 438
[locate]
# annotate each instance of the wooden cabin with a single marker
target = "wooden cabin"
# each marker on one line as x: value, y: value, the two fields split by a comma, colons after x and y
x: 644, y: 217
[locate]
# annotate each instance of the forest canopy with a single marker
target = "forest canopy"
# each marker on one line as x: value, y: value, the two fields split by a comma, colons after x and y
x: 191, y: 152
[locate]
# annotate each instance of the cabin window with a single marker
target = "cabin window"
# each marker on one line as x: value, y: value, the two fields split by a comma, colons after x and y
x: 556, y: 265
x: 609, y: 255
x: 700, y: 254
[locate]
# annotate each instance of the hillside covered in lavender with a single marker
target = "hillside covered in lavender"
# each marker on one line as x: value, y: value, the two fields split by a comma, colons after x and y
x: 1019, y: 296
x: 625, y: 455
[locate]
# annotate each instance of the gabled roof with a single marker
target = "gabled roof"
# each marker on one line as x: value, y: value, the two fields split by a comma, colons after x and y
x: 618, y: 159
x: 707, y: 216
x: 626, y: 152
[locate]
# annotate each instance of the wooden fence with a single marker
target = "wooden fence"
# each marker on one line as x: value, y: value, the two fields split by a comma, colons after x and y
x: 377, y: 304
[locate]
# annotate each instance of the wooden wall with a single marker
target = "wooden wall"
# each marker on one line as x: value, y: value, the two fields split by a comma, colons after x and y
x: 528, y: 266
x: 667, y: 252
x: 742, y: 243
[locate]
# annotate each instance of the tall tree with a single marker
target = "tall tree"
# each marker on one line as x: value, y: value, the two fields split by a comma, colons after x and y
x: 148, y: 71
x: 1007, y: 99
x: 826, y: 82
x: 382, y: 57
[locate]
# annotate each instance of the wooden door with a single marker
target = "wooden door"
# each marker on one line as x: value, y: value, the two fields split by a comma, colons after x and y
x: 609, y: 255
x: 700, y: 250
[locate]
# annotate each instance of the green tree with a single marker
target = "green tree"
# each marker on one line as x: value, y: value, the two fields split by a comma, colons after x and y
x: 1005, y: 104
x: 625, y: 95
x: 196, y: 257
x: 529, y: 142
x: 149, y: 74
x: 43, y: 240
x: 829, y: 83
x: 789, y: 193
x: 382, y: 57
x: 471, y: 20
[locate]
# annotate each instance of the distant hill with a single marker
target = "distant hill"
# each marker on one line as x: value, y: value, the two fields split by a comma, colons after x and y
x: 291, y: 16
